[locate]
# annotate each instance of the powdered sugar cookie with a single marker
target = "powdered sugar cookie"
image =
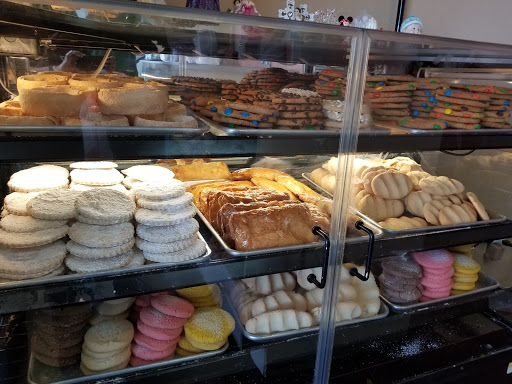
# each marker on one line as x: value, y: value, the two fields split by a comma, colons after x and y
x: 80, y: 265
x: 164, y: 247
x: 105, y: 204
x: 158, y: 191
x: 109, y: 336
x: 137, y: 259
x: 92, y: 221
x: 82, y: 188
x: 168, y: 233
x: 21, y: 261
x: 149, y: 173
x: 93, y: 165
x: 196, y: 250
x: 160, y: 218
x: 57, y: 204
x: 16, y: 202
x: 177, y: 204
x: 101, y: 236
x: 15, y: 223
x: 32, y: 239
x: 98, y: 252
x: 37, y: 182
x: 130, y: 182
x: 95, y: 177
x: 435, y: 259
x: 45, y: 170
x: 6, y: 277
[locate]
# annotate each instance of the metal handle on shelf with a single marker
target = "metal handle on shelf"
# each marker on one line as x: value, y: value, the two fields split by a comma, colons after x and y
x: 353, y: 271
x: 312, y: 278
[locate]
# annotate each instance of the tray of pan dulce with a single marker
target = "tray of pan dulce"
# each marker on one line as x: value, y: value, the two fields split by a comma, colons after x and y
x: 93, y: 220
x: 262, y: 210
x: 66, y: 103
x: 103, y: 340
x: 398, y: 196
x: 285, y: 305
x: 429, y: 279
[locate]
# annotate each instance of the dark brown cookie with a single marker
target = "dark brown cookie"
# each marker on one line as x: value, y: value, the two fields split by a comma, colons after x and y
x: 397, y: 283
x: 402, y: 296
x: 56, y: 361
x: 63, y: 340
x: 54, y: 329
x: 40, y: 346
x: 407, y: 269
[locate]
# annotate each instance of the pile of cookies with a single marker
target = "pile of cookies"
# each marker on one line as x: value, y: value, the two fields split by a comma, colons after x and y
x: 497, y: 114
x: 202, y: 296
x: 333, y: 114
x: 235, y: 114
x: 102, y: 238
x: 288, y: 301
x: 197, y: 86
x: 267, y: 79
x: 58, y: 335
x: 437, y: 272
x: 298, y: 109
x: 86, y: 175
x: 107, y: 347
x: 158, y: 329
x: 400, y: 281
x: 331, y: 84
x: 111, y: 309
x: 466, y: 274
x: 166, y: 230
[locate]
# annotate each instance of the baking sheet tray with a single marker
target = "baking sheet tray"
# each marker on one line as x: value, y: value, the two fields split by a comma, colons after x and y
x: 495, y: 218
x: 377, y: 232
x: 383, y: 312
x: 60, y: 130
x: 81, y: 276
x: 220, y: 130
x: 442, y: 132
x: 485, y: 283
x: 39, y: 373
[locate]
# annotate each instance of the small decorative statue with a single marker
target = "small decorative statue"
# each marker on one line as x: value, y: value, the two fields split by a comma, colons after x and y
x: 345, y: 22
x: 412, y: 25
x: 212, y: 5
x: 246, y: 7
x: 289, y: 12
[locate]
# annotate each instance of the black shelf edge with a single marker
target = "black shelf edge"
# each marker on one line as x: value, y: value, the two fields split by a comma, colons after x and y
x: 98, y: 146
x: 77, y: 288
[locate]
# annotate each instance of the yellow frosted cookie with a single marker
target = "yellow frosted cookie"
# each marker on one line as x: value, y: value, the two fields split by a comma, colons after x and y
x: 467, y: 248
x: 208, y: 327
x: 183, y: 352
x: 185, y: 344
x: 196, y: 292
x: 463, y: 286
x: 465, y: 279
x: 464, y: 264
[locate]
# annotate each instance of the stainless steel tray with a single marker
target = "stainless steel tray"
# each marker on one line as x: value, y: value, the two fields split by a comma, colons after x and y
x: 485, y: 283
x: 39, y: 373
x: 495, y: 218
x: 443, y: 132
x: 383, y: 312
x: 60, y: 130
x: 81, y: 276
x: 377, y: 232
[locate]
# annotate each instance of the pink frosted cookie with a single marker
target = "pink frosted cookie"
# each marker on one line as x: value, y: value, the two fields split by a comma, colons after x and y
x: 148, y: 354
x: 143, y: 301
x: 436, y: 294
x: 436, y: 259
x: 153, y: 344
x: 157, y: 333
x: 439, y: 273
x: 173, y: 306
x: 434, y: 282
x: 448, y: 285
x: 157, y: 319
x: 137, y: 362
x: 159, y: 294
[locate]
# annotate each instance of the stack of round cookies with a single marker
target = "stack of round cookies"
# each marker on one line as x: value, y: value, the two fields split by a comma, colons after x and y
x: 146, y: 173
x: 166, y: 231
x: 466, y: 274
x: 112, y: 309
x: 437, y: 272
x: 102, y: 238
x: 207, y: 330
x: 158, y: 329
x: 107, y: 347
x: 33, y: 233
x: 400, y: 281
x: 96, y: 174
x: 202, y: 296
x: 58, y: 335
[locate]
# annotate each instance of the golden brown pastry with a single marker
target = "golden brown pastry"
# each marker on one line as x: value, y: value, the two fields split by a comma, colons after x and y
x: 441, y: 185
x: 300, y: 189
x: 415, y: 202
x: 10, y: 108
x: 391, y: 185
x: 249, y: 173
x: 272, y: 185
x: 478, y: 206
x: 431, y: 210
x: 403, y: 222
x: 199, y: 170
x: 457, y: 214
x: 378, y: 208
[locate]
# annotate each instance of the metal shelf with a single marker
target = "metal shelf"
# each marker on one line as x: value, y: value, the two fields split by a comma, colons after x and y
x: 127, y: 147
x: 79, y: 288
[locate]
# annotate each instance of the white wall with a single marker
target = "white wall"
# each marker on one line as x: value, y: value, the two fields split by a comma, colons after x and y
x: 479, y: 20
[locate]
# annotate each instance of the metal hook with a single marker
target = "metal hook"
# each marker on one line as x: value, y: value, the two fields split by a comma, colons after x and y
x: 312, y: 278
x: 353, y: 271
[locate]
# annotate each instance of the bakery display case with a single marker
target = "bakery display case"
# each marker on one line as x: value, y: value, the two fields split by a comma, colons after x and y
x: 200, y: 196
